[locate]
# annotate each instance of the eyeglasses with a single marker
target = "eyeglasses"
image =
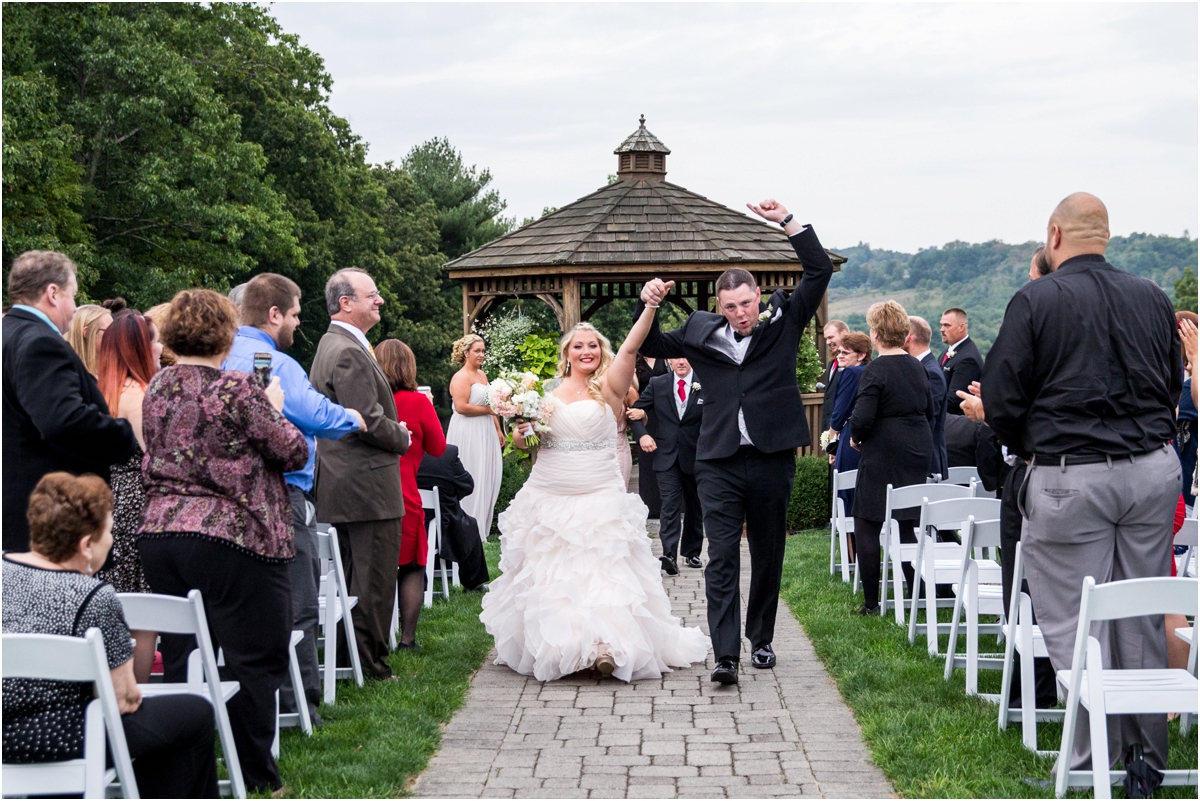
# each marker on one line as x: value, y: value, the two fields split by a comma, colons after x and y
x: 370, y: 296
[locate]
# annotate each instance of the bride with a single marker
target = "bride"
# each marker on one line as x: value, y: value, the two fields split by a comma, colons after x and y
x: 580, y: 587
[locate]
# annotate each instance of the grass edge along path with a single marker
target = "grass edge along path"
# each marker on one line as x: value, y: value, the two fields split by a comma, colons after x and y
x: 925, y: 734
x: 379, y: 737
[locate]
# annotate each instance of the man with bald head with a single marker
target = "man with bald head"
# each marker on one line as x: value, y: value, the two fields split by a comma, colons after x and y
x: 1082, y: 382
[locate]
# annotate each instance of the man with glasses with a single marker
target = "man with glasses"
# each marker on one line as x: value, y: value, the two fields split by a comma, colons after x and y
x: 358, y: 476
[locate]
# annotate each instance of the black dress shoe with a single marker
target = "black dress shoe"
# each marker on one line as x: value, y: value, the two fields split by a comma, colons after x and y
x: 872, y: 612
x: 668, y: 564
x: 409, y: 646
x: 693, y: 561
x: 763, y: 657
x: 726, y: 671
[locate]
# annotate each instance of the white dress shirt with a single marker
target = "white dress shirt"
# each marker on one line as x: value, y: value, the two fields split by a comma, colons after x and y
x: 681, y: 405
x: 921, y: 356
x: 724, y: 340
x: 358, y: 334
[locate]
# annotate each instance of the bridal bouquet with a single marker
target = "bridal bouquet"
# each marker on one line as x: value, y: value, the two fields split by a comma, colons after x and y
x: 518, y: 398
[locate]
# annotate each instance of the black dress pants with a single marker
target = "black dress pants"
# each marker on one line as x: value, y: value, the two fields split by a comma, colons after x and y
x: 753, y: 488
x: 247, y: 601
x: 170, y: 739
x: 680, y: 512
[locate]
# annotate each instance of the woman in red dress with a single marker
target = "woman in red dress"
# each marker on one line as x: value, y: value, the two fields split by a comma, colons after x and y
x: 415, y: 410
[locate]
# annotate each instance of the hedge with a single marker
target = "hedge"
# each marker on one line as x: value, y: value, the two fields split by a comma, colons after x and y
x: 809, y: 506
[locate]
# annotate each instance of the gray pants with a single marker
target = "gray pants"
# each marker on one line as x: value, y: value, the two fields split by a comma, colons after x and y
x: 304, y: 573
x: 1111, y: 522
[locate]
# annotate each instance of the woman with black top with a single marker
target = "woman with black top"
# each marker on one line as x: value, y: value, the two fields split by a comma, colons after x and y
x: 50, y: 590
x: 890, y: 425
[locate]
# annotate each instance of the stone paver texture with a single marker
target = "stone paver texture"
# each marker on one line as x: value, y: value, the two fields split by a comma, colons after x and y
x: 781, y: 732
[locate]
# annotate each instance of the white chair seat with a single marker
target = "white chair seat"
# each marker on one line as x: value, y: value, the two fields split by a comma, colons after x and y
x: 1185, y: 633
x: 1039, y: 642
x: 228, y: 689
x: 1137, y: 692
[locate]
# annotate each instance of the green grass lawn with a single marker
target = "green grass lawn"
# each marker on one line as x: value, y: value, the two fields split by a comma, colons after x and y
x: 927, y: 736
x: 379, y: 737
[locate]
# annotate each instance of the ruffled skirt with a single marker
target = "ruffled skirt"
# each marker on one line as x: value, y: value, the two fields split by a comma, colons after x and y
x: 578, y: 578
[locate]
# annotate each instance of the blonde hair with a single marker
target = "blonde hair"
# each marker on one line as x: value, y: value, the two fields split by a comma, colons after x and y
x: 606, y: 359
x: 889, y: 321
x: 81, y: 335
x: 458, y: 353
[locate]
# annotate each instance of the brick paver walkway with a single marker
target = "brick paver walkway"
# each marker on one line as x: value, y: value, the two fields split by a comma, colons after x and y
x: 781, y: 732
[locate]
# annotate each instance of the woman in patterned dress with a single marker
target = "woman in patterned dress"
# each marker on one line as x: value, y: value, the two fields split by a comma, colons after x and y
x: 128, y: 360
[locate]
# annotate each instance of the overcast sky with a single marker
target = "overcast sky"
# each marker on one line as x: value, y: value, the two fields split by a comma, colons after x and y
x: 901, y: 125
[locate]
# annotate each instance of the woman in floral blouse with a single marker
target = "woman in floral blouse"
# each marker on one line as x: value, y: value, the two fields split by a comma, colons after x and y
x: 218, y: 517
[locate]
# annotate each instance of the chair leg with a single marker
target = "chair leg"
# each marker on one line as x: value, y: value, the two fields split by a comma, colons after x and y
x: 275, y: 742
x: 916, y: 591
x: 1028, y: 688
x: 330, y: 666
x: 972, y: 609
x: 395, y: 618
x: 1097, y: 723
x: 952, y: 645
x: 1006, y: 678
x: 298, y: 691
x: 351, y: 641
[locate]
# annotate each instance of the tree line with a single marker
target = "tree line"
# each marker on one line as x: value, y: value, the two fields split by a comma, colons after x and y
x: 174, y: 145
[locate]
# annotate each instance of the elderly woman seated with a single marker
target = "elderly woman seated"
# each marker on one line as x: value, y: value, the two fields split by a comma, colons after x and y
x: 50, y: 590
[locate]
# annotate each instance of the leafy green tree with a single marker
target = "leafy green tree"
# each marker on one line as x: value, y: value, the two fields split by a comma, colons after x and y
x: 808, y: 361
x: 1185, y: 292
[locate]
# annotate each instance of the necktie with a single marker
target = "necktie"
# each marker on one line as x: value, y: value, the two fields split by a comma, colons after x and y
x: 945, y: 356
x: 682, y: 396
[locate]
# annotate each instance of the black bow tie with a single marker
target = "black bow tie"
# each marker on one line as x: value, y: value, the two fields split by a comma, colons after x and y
x: 739, y: 337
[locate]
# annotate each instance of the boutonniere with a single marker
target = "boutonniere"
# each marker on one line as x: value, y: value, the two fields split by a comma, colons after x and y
x: 950, y: 353
x: 695, y: 386
x: 764, y: 316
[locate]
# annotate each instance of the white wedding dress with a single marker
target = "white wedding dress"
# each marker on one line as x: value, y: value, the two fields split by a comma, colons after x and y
x: 578, y: 572
x: 479, y: 450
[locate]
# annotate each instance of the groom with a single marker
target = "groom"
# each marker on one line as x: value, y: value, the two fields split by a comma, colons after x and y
x: 753, y: 420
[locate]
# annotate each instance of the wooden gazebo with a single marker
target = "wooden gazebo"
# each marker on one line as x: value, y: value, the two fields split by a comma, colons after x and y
x: 606, y: 245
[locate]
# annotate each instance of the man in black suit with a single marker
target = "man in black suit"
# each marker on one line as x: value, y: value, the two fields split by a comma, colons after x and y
x: 460, y: 531
x: 675, y: 400
x: 745, y: 358
x: 961, y: 363
x: 917, y: 344
x: 54, y: 415
x: 833, y: 340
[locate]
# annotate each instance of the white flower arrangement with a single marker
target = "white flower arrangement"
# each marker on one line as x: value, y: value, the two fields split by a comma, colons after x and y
x: 825, y: 441
x: 764, y: 316
x: 519, y: 398
x: 695, y: 386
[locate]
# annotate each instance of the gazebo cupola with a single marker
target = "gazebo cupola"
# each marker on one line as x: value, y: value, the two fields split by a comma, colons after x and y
x: 642, y: 157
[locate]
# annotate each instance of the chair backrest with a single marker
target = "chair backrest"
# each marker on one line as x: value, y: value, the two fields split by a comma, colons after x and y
x: 432, y: 499
x: 1187, y: 534
x: 961, y: 475
x: 951, y: 513
x: 844, y: 480
x: 1136, y: 598
x: 917, y: 494
x: 166, y: 614
x: 982, y: 534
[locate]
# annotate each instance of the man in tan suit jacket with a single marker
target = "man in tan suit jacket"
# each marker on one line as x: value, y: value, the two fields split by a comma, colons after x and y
x: 358, y: 477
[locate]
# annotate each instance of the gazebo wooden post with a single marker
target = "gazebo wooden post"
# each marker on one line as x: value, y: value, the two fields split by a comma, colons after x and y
x: 570, y: 302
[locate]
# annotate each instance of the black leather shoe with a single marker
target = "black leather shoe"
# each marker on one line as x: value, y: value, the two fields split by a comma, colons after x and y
x: 763, y: 657
x: 871, y: 612
x: 693, y: 561
x: 726, y: 671
x: 668, y: 564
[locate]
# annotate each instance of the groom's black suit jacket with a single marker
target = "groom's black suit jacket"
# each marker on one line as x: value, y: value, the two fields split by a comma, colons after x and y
x: 676, y: 439
x: 764, y: 384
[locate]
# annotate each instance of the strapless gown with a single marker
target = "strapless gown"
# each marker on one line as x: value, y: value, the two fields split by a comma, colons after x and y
x: 578, y: 572
x: 479, y: 450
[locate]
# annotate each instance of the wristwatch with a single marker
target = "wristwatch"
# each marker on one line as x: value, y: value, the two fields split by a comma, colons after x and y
x: 785, y: 221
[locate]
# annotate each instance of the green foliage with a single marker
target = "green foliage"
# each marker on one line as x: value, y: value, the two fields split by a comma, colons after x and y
x: 516, y: 471
x: 809, y: 505
x: 1185, y: 292
x: 539, y: 355
x: 505, y: 335
x: 808, y: 362
x: 980, y: 278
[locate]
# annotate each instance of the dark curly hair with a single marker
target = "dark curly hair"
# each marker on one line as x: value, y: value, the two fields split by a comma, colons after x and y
x: 201, y: 323
x: 63, y: 510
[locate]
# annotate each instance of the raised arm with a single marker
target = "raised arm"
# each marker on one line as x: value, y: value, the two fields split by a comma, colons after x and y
x: 818, y: 269
x: 656, y: 344
x: 619, y: 376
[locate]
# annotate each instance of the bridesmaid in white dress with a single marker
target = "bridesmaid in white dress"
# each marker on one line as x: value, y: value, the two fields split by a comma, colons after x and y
x: 476, y: 431
x: 580, y: 587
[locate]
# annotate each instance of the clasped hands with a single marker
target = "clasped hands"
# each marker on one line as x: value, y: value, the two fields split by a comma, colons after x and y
x: 655, y: 291
x: 972, y: 403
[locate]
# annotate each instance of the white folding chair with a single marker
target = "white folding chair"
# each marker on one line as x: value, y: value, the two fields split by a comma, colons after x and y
x: 57, y: 658
x: 1187, y: 536
x: 961, y: 475
x: 940, y: 562
x: 1188, y: 635
x: 169, y: 614
x: 1105, y: 691
x: 300, y: 717
x: 841, y: 525
x: 430, y: 499
x: 973, y: 598
x: 895, y: 553
x: 1023, y: 637
x: 335, y: 602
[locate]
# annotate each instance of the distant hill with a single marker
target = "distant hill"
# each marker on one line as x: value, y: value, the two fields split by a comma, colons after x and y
x: 980, y: 278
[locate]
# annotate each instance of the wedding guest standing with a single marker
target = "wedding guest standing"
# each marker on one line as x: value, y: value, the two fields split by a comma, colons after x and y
x: 128, y: 360
x: 50, y: 590
x: 54, y: 416
x: 358, y: 476
x: 476, y: 431
x: 645, y: 369
x: 833, y: 331
x: 961, y: 363
x: 87, y: 332
x: 917, y: 345
x: 853, y: 357
x: 416, y: 411
x: 218, y: 518
x: 890, y: 424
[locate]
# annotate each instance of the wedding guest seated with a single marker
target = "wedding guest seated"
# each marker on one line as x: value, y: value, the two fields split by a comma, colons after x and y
x: 218, y: 514
x: 460, y: 532
x: 50, y: 590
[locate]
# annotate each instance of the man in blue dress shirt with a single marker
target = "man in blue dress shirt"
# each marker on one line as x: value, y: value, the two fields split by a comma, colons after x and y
x: 270, y: 316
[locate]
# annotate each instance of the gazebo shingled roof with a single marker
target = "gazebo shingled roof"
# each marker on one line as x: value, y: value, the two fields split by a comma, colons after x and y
x: 606, y: 244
